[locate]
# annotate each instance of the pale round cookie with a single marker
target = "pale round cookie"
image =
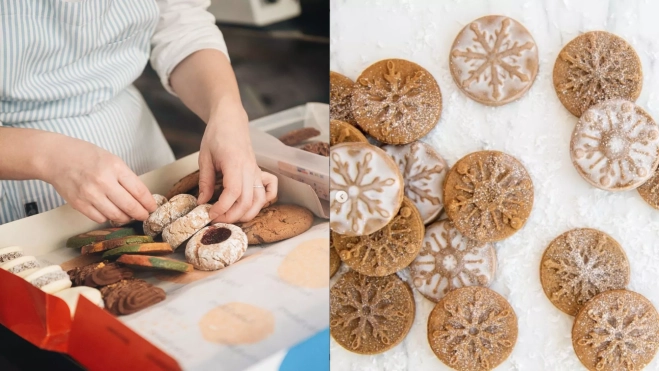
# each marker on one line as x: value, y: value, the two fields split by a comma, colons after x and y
x: 388, y: 250
x: 370, y: 315
x: 649, y: 190
x: 342, y: 132
x: 396, y: 101
x: 472, y: 328
x: 177, y: 206
x: 580, y: 264
x: 488, y: 195
x: 594, y: 67
x: 615, y: 145
x: 340, y: 95
x: 424, y: 171
x: 616, y: 330
x: 160, y: 200
x: 216, y: 247
x: 366, y: 189
x: 494, y: 60
x: 186, y: 226
x: 448, y: 261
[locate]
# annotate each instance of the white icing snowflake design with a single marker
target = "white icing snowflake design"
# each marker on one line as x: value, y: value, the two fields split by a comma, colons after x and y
x: 494, y: 59
x: 615, y: 145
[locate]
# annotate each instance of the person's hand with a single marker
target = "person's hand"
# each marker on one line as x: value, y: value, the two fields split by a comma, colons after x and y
x: 226, y: 148
x: 97, y: 183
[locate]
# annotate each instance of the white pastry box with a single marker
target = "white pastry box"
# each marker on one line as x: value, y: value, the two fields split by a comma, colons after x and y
x: 250, y: 315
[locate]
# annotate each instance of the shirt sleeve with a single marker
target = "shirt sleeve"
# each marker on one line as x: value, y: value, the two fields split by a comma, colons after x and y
x: 184, y: 27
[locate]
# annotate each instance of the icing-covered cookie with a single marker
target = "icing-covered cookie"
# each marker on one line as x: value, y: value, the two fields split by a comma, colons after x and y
x: 186, y: 226
x: 216, y: 247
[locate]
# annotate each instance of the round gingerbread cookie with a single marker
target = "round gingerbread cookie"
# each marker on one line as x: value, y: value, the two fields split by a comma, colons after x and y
x: 595, y: 67
x: 615, y: 145
x: 472, y: 328
x: 341, y: 89
x: 335, y: 260
x: 396, y: 101
x: 177, y: 206
x: 186, y: 226
x: 216, y: 247
x: 186, y: 185
x: 388, y: 250
x: 617, y: 330
x: 342, y: 132
x: 424, y: 171
x: 370, y: 315
x: 580, y: 264
x: 276, y: 223
x: 649, y: 190
x: 366, y: 189
x: 494, y: 60
x: 448, y: 261
x: 488, y: 195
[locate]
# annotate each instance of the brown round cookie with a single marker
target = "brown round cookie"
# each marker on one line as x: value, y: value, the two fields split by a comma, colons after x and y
x: 396, y: 101
x: 616, y: 330
x: 649, y: 190
x: 488, y: 195
x: 388, y: 250
x: 494, y: 60
x: 335, y: 260
x: 341, y: 89
x: 319, y: 148
x: 594, y: 67
x: 472, y: 328
x: 370, y: 315
x: 341, y: 132
x: 276, y: 223
x: 297, y: 136
x: 187, y: 184
x: 580, y: 264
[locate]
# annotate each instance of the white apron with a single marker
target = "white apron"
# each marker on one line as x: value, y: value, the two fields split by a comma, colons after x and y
x: 67, y: 67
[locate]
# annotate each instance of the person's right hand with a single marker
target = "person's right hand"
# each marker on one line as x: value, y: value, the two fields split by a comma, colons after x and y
x: 97, y: 183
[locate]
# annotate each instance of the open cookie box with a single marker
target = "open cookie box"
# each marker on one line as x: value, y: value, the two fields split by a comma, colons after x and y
x: 95, y: 338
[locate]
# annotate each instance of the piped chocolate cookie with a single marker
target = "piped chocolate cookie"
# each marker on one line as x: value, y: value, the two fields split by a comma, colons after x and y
x: 130, y: 296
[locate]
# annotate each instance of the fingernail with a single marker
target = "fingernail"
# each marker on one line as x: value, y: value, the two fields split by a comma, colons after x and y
x: 212, y: 215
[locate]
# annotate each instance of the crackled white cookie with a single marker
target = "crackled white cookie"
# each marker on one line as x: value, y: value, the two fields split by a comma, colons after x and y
x: 615, y: 145
x: 424, y: 171
x: 448, y: 261
x: 216, y: 247
x: 494, y: 60
x: 366, y: 189
x: 168, y: 212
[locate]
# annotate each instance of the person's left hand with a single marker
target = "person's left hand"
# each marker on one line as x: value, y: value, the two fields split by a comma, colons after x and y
x: 227, y: 148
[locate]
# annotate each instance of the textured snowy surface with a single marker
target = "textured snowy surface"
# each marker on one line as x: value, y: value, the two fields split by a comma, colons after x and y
x: 536, y: 129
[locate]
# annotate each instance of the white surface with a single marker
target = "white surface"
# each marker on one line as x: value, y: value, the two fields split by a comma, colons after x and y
x: 536, y: 129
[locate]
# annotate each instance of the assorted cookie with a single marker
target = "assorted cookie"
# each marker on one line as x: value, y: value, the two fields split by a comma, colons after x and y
x: 216, y: 247
x: 130, y: 296
x: 341, y: 89
x: 649, y: 191
x: 189, y: 184
x: 155, y: 262
x: 50, y: 279
x: 335, y: 260
x: 21, y: 266
x: 178, y: 206
x: 494, y: 60
x: 319, y: 148
x: 297, y: 136
x: 186, y: 226
x: 97, y: 236
x: 10, y: 253
x: 342, y: 132
x: 99, y: 247
x: 276, y: 223
x: 153, y: 248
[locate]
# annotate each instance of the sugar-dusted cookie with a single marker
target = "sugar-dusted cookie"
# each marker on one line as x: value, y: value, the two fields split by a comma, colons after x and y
x: 494, y: 60
x: 335, y: 260
x: 177, y: 206
x: 615, y: 145
x: 594, y: 67
x: 448, y: 261
x: 160, y: 200
x: 370, y: 315
x: 649, y: 191
x: 114, y: 243
x: 186, y: 226
x: 396, y: 101
x: 98, y: 235
x: 580, y: 264
x: 187, y: 184
x: 424, y: 171
x: 341, y: 89
x: 617, y: 330
x: 472, y: 328
x: 366, y: 189
x: 341, y: 132
x: 276, y: 223
x: 388, y: 250
x: 488, y: 195
x: 216, y: 247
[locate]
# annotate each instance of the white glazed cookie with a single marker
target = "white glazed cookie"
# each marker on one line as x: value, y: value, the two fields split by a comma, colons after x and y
x: 424, y: 171
x: 186, y: 226
x: 177, y: 206
x: 615, y: 145
x: 216, y: 247
x: 366, y: 189
x: 160, y: 200
x: 448, y: 261
x: 494, y: 60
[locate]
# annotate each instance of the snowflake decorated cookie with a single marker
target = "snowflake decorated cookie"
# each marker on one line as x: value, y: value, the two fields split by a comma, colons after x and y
x: 595, y: 67
x: 472, y: 329
x: 424, y: 171
x: 448, y: 261
x: 369, y: 315
x: 396, y: 101
x: 340, y: 94
x: 494, y: 60
x: 388, y: 250
x: 617, y: 330
x: 366, y: 189
x: 615, y: 145
x: 580, y: 264
x: 488, y: 195
x: 649, y: 191
x: 342, y: 132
